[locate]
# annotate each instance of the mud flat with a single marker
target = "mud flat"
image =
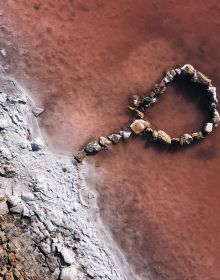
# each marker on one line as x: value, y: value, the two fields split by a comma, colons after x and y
x: 50, y: 226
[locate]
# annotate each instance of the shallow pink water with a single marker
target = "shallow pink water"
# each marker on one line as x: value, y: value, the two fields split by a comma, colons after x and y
x: 82, y: 60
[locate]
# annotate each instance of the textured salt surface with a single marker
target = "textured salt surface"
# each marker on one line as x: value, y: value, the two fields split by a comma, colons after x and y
x: 50, y: 226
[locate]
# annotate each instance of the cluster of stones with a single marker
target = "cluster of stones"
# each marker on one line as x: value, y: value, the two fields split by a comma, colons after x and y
x: 140, y: 126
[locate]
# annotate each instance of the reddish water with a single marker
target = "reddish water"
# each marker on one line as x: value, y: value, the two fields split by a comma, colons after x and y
x: 82, y: 60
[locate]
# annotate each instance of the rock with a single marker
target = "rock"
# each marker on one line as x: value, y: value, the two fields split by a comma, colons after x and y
x: 37, y: 111
x: 175, y: 140
x: 163, y: 137
x: 80, y: 156
x: 13, y: 200
x: 186, y: 139
x: 208, y: 128
x: 69, y: 273
x: 168, y: 77
x: 135, y: 101
x: 147, y: 101
x: 197, y: 135
x: 3, y: 124
x: 18, y: 209
x: 104, y: 142
x: 48, y: 224
x: 37, y: 145
x: 187, y: 69
x: 27, y: 196
x: 212, y: 93
x: 202, y: 79
x: 115, y: 138
x: 52, y: 263
x: 125, y: 134
x: 6, y: 153
x: 138, y: 126
x: 7, y: 170
x: 93, y: 147
x: 158, y: 89
x: 3, y: 208
x: 216, y: 118
x: 68, y: 256
x: 45, y: 248
x: 178, y: 71
x: 138, y: 114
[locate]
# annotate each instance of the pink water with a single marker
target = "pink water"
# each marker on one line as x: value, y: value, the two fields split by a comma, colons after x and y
x: 82, y: 60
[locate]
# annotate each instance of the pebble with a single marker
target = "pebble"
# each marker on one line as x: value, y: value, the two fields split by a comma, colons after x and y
x: 163, y: 137
x: 37, y: 145
x: 138, y: 113
x: 104, y: 142
x: 186, y: 139
x: 187, y: 69
x: 136, y: 101
x: 138, y: 126
x: 197, y: 135
x: 115, y: 138
x: 212, y: 92
x: 216, y: 118
x: 159, y: 89
x: 37, y: 111
x: 27, y: 196
x: 147, y: 101
x: 125, y: 134
x: 202, y: 79
x: 80, y: 156
x: 13, y: 200
x: 175, y: 140
x: 208, y: 128
x: 93, y: 147
x: 68, y: 256
x: 45, y: 248
x: 69, y: 273
x: 52, y: 262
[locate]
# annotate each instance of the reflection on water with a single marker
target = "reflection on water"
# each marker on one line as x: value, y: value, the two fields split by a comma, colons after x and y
x: 82, y: 60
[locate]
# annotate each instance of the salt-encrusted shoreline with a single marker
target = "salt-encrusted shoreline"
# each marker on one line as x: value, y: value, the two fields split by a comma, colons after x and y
x: 50, y: 225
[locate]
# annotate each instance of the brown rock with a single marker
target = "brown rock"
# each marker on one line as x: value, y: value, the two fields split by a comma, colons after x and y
x: 135, y: 101
x: 159, y: 88
x: 188, y: 69
x: 138, y: 113
x: 104, y: 142
x: 80, y: 156
x: 163, y: 137
x: 93, y: 147
x: 186, y: 139
x: 202, y: 79
x: 138, y: 126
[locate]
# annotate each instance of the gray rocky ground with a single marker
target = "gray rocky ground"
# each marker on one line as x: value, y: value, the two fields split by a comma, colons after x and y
x: 50, y: 226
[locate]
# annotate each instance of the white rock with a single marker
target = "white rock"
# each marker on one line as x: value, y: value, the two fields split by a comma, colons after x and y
x: 68, y: 255
x: 69, y: 273
x: 208, y: 128
x: 13, y: 200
